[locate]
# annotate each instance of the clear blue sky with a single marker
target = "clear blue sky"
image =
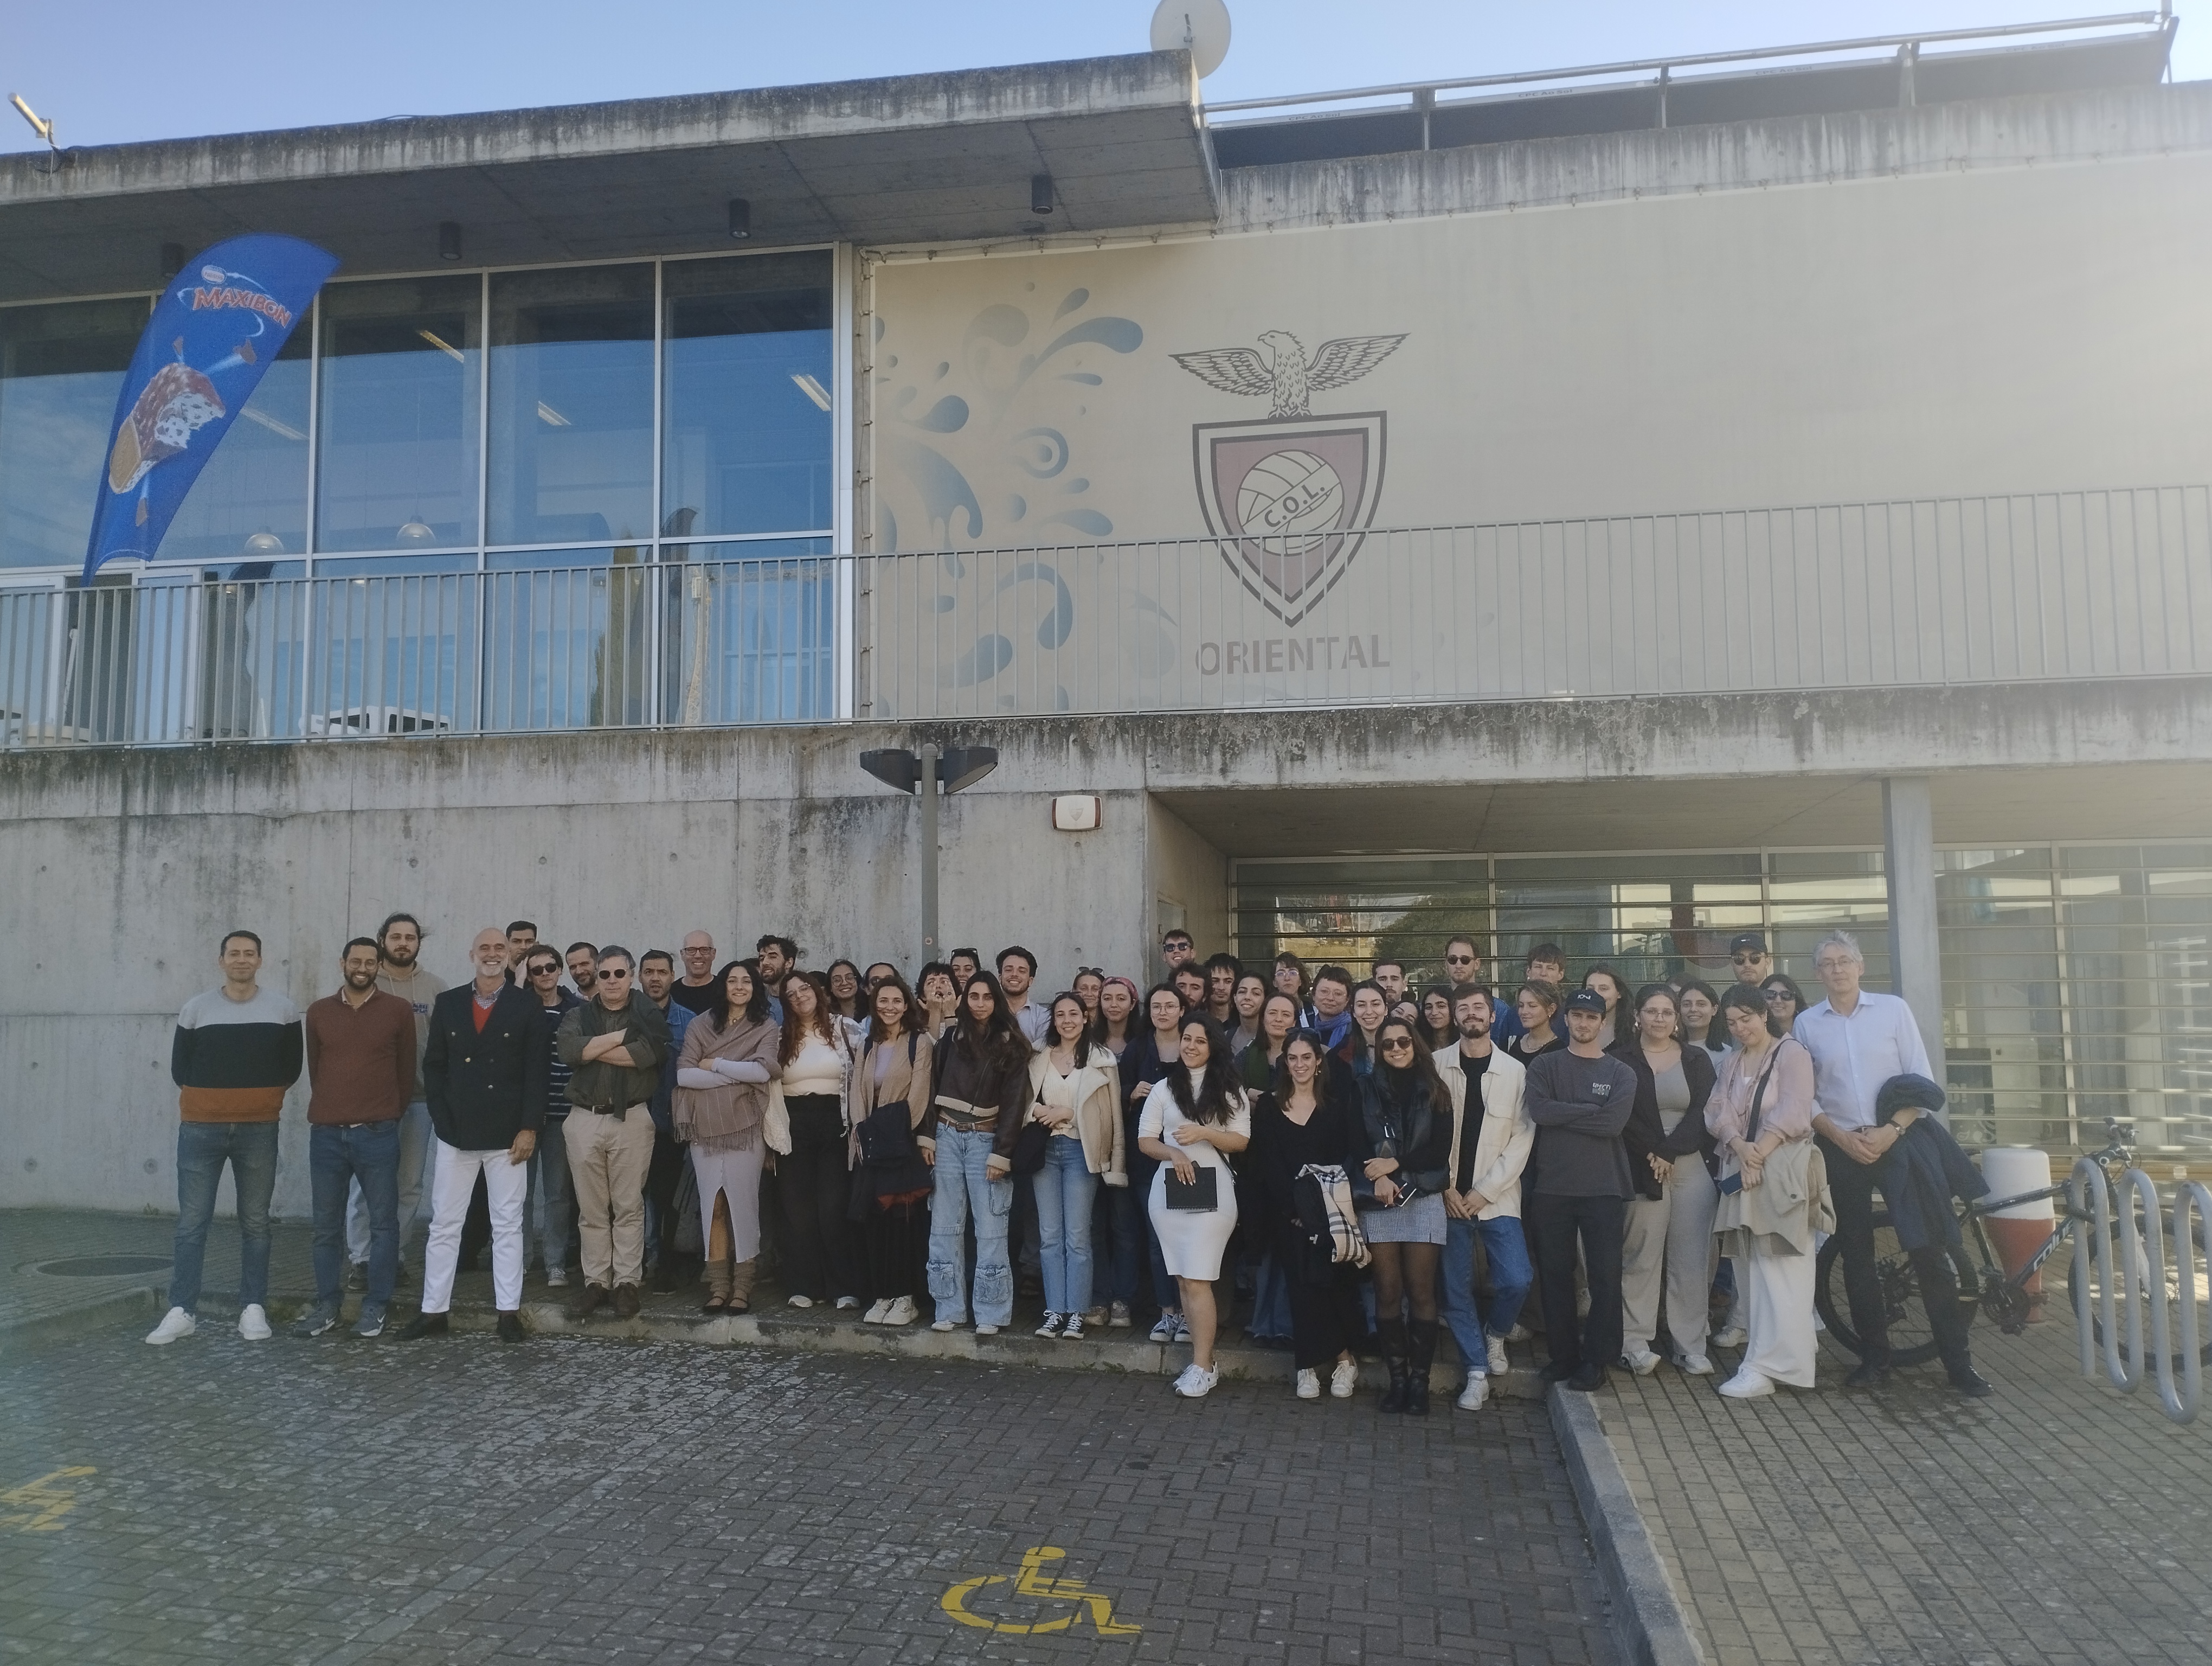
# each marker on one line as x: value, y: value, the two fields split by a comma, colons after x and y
x: 111, y: 71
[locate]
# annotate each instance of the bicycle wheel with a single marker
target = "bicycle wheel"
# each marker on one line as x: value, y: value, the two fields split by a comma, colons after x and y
x: 2172, y: 1296
x: 1911, y: 1338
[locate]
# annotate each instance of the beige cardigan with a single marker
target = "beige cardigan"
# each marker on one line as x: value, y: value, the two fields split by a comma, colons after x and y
x: 904, y: 1081
x: 1097, y: 1111
x: 725, y: 1118
x: 1504, y: 1135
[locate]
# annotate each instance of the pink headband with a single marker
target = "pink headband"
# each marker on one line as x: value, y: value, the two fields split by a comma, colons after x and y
x: 1134, y: 993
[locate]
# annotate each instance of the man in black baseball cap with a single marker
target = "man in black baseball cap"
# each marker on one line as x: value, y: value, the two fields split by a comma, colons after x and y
x: 1579, y: 1100
x: 1747, y: 954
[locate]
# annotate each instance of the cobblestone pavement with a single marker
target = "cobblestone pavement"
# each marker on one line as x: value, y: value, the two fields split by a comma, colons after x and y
x: 2055, y: 1522
x: 344, y: 1501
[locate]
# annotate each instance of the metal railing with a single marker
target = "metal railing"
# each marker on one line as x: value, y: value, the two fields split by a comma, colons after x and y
x: 2056, y: 586
x: 2174, y: 1348
x: 2045, y: 588
x: 167, y: 661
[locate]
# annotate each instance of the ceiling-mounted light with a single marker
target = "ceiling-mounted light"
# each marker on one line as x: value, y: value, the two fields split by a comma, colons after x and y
x: 812, y: 389
x: 414, y: 532
x: 550, y: 416
x: 265, y: 543
x: 1040, y: 193
x: 443, y: 346
x: 449, y: 240
x: 283, y: 430
x: 741, y: 218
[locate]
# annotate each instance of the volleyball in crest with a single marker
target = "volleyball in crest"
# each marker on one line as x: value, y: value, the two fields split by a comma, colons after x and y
x: 1289, y: 501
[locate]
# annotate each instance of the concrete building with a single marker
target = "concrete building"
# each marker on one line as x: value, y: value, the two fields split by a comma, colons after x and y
x: 1623, y: 512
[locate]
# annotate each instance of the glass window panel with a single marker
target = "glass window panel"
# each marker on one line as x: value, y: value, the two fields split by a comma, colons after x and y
x: 392, y: 648
x: 61, y: 368
x: 749, y: 393
x: 399, y: 417
x: 567, y: 639
x: 249, y: 507
x: 571, y: 406
x: 749, y: 632
x: 2004, y: 1049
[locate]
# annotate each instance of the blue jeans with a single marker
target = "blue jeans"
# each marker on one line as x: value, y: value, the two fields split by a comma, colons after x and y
x: 203, y: 1148
x: 1503, y: 1243
x: 1063, y: 1189
x: 1271, y: 1301
x: 962, y: 1185
x: 369, y: 1153
x: 557, y: 1188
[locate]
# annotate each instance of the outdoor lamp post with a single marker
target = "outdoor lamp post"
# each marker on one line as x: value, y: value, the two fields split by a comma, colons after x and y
x: 930, y: 773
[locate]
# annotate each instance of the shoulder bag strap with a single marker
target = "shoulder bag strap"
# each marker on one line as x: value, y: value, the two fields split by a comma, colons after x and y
x: 1758, y: 1093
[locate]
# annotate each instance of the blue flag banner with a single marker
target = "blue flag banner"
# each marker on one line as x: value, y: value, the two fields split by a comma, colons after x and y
x: 214, y: 332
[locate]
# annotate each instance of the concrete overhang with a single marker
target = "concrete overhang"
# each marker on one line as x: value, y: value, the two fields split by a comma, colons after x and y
x: 904, y: 159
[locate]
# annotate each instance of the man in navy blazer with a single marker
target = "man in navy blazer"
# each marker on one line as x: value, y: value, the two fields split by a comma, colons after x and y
x: 484, y: 1072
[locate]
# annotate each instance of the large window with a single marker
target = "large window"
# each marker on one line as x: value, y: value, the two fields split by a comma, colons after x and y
x: 60, y: 370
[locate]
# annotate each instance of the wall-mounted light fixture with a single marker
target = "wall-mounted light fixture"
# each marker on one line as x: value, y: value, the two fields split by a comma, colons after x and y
x: 1075, y: 813
x: 741, y: 218
x: 1040, y: 193
x: 449, y: 240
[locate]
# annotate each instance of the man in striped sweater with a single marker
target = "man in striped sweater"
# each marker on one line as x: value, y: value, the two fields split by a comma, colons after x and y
x: 238, y: 1048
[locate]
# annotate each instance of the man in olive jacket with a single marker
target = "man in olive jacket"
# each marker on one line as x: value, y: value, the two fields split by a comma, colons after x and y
x: 614, y: 1044
x: 485, y: 1069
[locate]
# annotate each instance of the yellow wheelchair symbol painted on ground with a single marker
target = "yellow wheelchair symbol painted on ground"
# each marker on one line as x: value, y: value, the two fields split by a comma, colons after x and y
x: 1031, y: 1581
x: 39, y: 1504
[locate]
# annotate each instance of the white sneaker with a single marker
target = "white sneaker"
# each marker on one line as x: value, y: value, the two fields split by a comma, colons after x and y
x: 253, y: 1324
x: 1309, y: 1383
x: 1196, y: 1381
x: 1641, y: 1360
x: 556, y: 1277
x: 1500, y: 1365
x: 875, y: 1315
x: 945, y: 1325
x: 1733, y: 1337
x: 987, y: 1331
x: 1748, y: 1384
x: 796, y: 1300
x: 1118, y: 1317
x: 1165, y: 1330
x: 175, y: 1322
x: 1343, y: 1379
x: 1694, y: 1365
x: 1519, y: 1333
x: 1476, y: 1391
x: 847, y: 1303
x: 901, y: 1312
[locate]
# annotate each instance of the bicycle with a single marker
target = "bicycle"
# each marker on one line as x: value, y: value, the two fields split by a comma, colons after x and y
x: 1983, y: 1287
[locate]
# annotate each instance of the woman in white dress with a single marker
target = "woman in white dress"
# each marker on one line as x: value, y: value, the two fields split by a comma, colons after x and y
x: 1193, y: 1119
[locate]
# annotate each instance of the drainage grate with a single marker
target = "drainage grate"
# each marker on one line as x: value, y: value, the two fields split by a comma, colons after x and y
x: 102, y: 1267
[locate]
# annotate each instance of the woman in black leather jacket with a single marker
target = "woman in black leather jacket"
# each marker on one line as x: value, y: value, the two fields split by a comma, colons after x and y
x: 1401, y: 1147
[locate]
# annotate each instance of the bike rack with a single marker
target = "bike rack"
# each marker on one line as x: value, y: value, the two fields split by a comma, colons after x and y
x: 2146, y: 1250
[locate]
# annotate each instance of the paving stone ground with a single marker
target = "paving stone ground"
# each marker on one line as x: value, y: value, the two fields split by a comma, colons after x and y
x: 2056, y: 1523
x: 580, y: 1500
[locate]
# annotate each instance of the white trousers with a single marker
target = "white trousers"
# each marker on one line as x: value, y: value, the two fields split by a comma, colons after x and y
x: 1776, y: 1293
x: 737, y: 1176
x: 505, y: 1186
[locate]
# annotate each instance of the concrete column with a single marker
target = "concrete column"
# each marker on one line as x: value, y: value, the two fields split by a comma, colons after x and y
x: 1908, y: 835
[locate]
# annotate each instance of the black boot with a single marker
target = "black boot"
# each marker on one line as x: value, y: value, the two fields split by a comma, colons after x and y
x: 1391, y: 1333
x: 1423, y: 1356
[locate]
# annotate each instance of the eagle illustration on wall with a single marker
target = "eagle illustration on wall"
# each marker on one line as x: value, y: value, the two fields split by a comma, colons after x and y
x: 1286, y: 375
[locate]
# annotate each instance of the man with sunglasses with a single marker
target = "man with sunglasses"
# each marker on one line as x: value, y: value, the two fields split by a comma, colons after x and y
x: 541, y: 975
x: 484, y: 1073
x: 616, y: 1044
x: 1747, y: 954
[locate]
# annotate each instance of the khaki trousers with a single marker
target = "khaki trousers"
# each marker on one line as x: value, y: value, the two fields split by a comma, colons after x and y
x: 608, y: 1160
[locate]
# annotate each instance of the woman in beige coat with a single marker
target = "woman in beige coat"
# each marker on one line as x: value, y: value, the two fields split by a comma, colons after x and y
x: 722, y: 1075
x: 891, y: 1188
x: 1074, y: 1091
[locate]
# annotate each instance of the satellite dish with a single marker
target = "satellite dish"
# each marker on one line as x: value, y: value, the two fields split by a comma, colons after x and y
x: 1200, y: 27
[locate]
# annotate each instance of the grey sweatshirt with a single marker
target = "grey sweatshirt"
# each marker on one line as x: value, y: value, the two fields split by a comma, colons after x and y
x: 1579, y: 1107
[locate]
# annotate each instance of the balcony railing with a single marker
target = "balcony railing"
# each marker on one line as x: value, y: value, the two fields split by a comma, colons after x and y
x: 2042, y: 588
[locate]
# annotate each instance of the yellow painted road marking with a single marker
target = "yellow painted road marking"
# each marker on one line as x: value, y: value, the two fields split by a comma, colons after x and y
x: 41, y: 1504
x: 1031, y: 1581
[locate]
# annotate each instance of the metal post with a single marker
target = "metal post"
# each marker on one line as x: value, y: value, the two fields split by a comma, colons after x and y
x: 1915, y: 959
x: 927, y: 786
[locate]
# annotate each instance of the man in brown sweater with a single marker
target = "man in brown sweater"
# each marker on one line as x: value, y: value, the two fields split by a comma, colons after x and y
x: 360, y: 1071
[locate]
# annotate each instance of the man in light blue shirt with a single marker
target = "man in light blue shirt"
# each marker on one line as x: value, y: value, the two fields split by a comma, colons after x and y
x: 1859, y: 1040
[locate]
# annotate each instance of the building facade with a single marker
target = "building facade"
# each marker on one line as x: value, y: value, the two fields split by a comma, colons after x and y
x: 1622, y: 516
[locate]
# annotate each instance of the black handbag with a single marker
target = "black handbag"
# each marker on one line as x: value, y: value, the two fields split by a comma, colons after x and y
x: 1031, y: 1144
x: 885, y: 1134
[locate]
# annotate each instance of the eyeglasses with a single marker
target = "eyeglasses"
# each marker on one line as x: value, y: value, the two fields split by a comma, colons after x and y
x: 1748, y: 958
x: 1398, y: 1043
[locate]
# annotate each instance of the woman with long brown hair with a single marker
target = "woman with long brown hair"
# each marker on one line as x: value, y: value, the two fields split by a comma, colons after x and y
x: 728, y: 1058
x: 975, y: 1115
x: 1402, y: 1147
x: 1194, y: 1119
x: 1296, y: 1126
x: 892, y: 1178
x: 815, y: 1056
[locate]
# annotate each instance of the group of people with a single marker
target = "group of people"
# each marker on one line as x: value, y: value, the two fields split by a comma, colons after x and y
x: 1382, y: 1163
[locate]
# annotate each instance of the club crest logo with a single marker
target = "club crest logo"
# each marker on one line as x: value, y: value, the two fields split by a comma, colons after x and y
x: 1290, y: 497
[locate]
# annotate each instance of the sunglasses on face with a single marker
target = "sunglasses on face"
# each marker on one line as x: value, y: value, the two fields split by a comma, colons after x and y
x: 545, y: 971
x: 1747, y: 960
x: 618, y: 972
x: 1459, y: 960
x: 1398, y: 1044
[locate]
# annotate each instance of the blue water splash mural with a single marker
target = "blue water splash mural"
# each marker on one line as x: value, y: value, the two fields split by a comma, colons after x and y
x: 986, y: 426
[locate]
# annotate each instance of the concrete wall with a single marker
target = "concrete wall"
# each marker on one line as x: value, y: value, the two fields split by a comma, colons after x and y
x: 1184, y: 867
